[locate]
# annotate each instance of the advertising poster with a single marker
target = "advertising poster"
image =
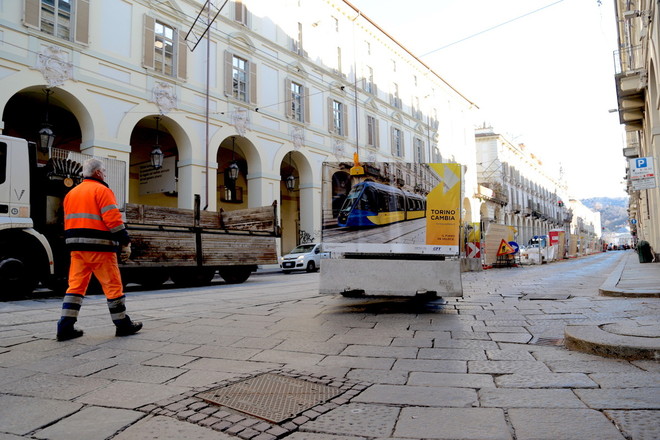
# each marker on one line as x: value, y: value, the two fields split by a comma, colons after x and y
x: 154, y: 181
x: 392, y: 208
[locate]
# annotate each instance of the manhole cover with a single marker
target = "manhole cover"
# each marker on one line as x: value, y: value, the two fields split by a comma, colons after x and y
x: 271, y: 397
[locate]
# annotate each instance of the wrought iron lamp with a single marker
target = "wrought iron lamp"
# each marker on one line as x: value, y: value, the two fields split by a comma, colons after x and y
x: 290, y: 181
x: 46, y: 135
x: 232, y: 170
x: 157, y: 155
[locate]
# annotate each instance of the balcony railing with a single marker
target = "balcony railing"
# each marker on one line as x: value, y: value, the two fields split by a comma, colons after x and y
x: 628, y: 59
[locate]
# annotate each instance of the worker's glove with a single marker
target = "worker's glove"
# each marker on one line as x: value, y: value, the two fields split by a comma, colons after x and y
x: 125, y: 253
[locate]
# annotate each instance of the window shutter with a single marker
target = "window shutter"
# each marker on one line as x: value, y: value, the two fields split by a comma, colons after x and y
x: 229, y: 88
x: 393, y: 141
x: 32, y: 14
x: 182, y: 57
x: 149, y: 40
x: 253, y: 82
x: 306, y: 104
x: 344, y: 120
x: 288, y: 97
x: 331, y: 121
x: 82, y: 22
x: 238, y: 12
x: 377, y: 137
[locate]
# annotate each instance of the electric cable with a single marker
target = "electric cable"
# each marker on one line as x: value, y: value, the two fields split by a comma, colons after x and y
x: 491, y: 28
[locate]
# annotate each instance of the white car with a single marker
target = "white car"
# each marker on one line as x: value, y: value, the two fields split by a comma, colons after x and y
x: 304, y: 257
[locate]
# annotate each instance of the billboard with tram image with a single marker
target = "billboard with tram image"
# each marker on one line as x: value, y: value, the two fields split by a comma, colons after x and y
x: 398, y: 220
x: 392, y: 207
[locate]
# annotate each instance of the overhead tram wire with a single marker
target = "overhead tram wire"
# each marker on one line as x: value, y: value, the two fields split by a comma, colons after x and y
x: 491, y: 28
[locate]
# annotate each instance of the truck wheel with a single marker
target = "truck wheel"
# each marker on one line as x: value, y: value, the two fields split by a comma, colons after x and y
x: 14, y: 277
x: 311, y: 267
x: 235, y: 275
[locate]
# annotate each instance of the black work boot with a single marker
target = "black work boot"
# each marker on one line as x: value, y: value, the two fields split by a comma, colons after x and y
x: 66, y: 330
x: 127, y: 327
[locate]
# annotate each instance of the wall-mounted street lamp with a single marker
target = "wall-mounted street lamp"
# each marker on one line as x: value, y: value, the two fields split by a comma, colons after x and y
x: 157, y: 155
x: 46, y: 135
x: 232, y: 170
x: 290, y: 181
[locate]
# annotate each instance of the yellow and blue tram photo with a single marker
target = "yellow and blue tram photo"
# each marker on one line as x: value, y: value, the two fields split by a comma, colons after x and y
x: 371, y: 204
x: 391, y: 208
x: 401, y: 217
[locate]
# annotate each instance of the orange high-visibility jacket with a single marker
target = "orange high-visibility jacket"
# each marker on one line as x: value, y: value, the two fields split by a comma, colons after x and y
x: 92, y: 221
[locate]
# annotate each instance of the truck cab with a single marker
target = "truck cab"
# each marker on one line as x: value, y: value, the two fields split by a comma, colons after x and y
x: 26, y: 256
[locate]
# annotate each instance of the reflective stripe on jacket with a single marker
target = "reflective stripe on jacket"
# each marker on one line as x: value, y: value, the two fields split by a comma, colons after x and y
x: 92, y: 221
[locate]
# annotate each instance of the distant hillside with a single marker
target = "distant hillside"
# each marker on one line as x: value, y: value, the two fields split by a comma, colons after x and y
x: 613, y: 212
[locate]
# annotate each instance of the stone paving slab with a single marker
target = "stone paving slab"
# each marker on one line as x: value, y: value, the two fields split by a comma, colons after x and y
x: 461, y: 354
x: 129, y: 395
x: 455, y: 380
x: 356, y: 419
x: 625, y: 380
x: 376, y: 351
x: 90, y: 423
x: 167, y: 428
x: 528, y: 398
x: 378, y: 376
x: 453, y: 424
x: 316, y: 436
x: 140, y: 373
x: 509, y: 355
x: 507, y: 367
x: 418, y: 396
x: 545, y: 380
x: 565, y: 424
x: 54, y: 386
x: 637, y: 398
x: 637, y: 424
x: 21, y: 415
x: 430, y: 365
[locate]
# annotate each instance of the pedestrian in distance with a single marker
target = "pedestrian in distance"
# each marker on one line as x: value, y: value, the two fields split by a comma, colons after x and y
x: 94, y: 232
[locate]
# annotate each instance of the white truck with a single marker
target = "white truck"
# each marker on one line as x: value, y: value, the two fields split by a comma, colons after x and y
x: 187, y: 245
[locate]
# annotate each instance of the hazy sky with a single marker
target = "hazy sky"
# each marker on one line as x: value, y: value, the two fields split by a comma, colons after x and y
x: 544, y: 78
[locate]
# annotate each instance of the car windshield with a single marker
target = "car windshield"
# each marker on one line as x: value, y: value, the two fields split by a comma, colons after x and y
x: 303, y: 249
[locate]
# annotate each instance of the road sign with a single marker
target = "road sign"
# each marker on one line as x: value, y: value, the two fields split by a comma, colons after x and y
x: 642, y: 173
x: 633, y: 221
x: 641, y: 167
x: 505, y: 249
x: 645, y: 183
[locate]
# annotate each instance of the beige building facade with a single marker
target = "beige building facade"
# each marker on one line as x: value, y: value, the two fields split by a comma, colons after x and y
x: 275, y: 87
x: 517, y: 189
x: 638, y: 92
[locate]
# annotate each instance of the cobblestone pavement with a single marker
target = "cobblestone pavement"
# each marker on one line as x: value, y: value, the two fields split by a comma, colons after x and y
x: 490, y: 365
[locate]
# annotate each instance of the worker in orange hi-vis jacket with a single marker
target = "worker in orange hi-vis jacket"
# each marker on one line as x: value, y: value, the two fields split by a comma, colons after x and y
x: 94, y: 232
